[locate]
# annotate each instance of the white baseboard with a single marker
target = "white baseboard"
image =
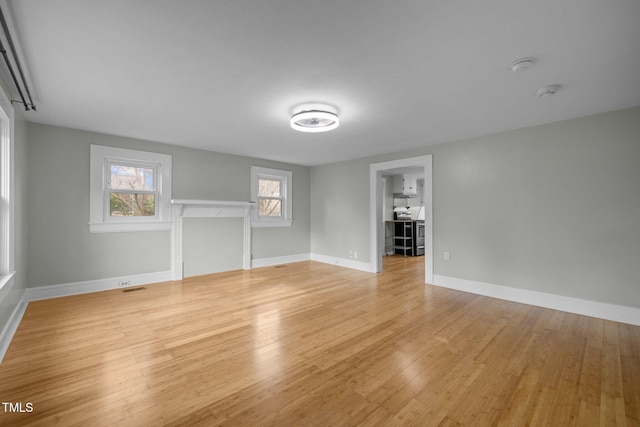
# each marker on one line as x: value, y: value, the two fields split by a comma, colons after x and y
x: 342, y: 262
x: 77, y: 288
x: 601, y: 310
x: 266, y: 262
x: 12, y: 325
x: 68, y: 289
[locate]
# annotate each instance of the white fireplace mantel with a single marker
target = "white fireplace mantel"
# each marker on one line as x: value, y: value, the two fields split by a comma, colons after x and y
x: 182, y: 208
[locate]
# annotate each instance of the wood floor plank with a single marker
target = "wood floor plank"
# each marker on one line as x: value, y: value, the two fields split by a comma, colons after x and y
x: 315, y: 344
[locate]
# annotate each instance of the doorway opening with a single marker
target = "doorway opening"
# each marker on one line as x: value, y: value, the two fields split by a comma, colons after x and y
x: 377, y: 220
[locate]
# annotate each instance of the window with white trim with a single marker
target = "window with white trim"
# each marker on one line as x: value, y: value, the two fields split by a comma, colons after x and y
x: 7, y: 218
x: 271, y: 191
x: 130, y: 190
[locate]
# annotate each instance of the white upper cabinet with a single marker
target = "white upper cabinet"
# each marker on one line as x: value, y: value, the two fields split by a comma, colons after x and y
x: 405, y: 185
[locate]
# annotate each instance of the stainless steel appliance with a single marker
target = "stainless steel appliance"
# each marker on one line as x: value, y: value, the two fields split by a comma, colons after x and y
x: 418, y: 240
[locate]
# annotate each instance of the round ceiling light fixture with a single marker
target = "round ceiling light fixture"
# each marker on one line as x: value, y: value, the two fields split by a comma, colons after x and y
x: 314, y: 118
x: 522, y: 65
x: 547, y: 91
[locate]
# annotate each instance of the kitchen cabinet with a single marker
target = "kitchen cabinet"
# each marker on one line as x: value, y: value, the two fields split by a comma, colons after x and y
x: 405, y: 185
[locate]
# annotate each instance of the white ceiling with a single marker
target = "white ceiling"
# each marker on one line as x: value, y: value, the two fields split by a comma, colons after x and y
x: 224, y: 75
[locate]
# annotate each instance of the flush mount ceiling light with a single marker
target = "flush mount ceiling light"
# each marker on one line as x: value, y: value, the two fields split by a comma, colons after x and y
x: 547, y: 91
x: 314, y: 118
x: 522, y: 65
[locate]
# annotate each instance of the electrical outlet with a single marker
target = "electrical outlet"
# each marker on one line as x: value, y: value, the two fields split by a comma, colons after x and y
x: 355, y: 255
x: 124, y: 283
x: 350, y: 254
x: 446, y: 256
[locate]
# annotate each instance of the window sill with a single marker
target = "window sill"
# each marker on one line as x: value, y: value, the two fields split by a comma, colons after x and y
x: 5, y: 278
x: 104, y: 227
x: 278, y: 223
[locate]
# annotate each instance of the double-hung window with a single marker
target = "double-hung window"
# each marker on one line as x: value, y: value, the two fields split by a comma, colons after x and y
x: 271, y: 191
x: 7, y: 217
x: 130, y: 190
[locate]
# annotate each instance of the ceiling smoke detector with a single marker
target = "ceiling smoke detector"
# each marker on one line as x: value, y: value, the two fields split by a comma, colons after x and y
x: 314, y: 118
x: 547, y: 91
x: 522, y: 65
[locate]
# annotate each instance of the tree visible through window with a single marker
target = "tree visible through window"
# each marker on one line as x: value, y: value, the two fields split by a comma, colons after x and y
x: 271, y: 190
x: 132, y: 190
x: 270, y: 197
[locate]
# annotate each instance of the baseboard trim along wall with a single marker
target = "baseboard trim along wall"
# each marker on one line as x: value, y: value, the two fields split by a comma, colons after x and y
x: 11, y: 327
x: 325, y: 259
x: 69, y: 289
x: 342, y: 262
x: 77, y: 288
x: 601, y: 310
x: 267, y: 262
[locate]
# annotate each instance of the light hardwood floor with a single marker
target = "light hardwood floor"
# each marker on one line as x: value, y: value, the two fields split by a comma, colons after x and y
x: 314, y: 344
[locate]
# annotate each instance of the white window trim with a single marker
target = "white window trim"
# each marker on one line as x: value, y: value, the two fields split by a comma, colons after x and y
x: 7, y: 195
x: 260, y: 172
x: 99, y: 219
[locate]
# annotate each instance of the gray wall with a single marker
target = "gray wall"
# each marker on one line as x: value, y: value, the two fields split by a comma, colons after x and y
x: 551, y: 208
x: 61, y: 248
x: 340, y: 209
x: 11, y: 300
x: 212, y: 245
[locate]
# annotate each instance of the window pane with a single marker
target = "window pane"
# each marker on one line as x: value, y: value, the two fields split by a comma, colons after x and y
x: 269, y: 207
x: 132, y: 178
x: 269, y: 187
x: 132, y: 204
